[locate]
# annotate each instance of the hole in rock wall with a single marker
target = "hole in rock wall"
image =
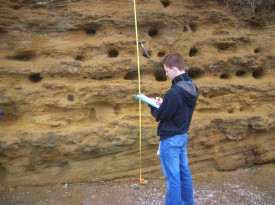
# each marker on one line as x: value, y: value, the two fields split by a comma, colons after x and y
x: 102, y: 76
x: 35, y: 77
x: 224, y: 76
x: 230, y: 110
x: 2, y: 168
x: 193, y: 27
x: 2, y: 171
x: 257, y: 50
x: 23, y: 56
x: 245, y: 108
x: 160, y: 75
x: 117, y: 109
x: 153, y: 32
x: 165, y: 3
x: 64, y: 162
x: 240, y: 73
x: 185, y: 29
x: 91, y: 29
x: 225, y: 46
x: 161, y: 53
x: 222, y: 47
x: 92, y: 115
x: 113, y: 53
x: 79, y: 58
x: 131, y: 75
x: 2, y: 30
x: 195, y: 73
x: 70, y: 97
x: 193, y: 52
x: 257, y: 74
x: 16, y: 7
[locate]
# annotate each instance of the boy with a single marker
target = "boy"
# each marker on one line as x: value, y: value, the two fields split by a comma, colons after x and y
x: 174, y: 116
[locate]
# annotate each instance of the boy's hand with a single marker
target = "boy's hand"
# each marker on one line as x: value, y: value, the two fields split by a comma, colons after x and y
x: 159, y: 101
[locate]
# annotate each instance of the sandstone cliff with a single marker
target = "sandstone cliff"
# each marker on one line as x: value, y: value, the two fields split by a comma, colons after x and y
x: 68, y: 74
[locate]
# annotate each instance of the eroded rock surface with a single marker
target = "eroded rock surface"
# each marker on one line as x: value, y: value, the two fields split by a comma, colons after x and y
x: 68, y: 74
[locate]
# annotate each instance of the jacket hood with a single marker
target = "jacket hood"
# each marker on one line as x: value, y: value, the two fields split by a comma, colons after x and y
x: 188, y: 90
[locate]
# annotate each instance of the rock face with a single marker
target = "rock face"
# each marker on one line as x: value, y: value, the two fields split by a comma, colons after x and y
x: 68, y: 75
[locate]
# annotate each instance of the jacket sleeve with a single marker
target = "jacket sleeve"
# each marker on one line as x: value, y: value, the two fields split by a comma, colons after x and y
x: 168, y: 107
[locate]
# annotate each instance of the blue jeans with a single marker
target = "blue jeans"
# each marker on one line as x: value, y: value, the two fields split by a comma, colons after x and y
x: 174, y: 164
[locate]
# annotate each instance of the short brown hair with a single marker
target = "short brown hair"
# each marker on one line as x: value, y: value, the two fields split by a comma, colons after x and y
x: 174, y: 60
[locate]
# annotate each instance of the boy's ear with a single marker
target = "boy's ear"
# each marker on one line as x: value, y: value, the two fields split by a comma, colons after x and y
x: 175, y: 68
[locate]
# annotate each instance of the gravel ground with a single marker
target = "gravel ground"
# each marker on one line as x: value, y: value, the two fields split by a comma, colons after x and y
x: 250, y: 186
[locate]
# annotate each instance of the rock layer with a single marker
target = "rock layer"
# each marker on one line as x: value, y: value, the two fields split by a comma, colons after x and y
x: 68, y: 75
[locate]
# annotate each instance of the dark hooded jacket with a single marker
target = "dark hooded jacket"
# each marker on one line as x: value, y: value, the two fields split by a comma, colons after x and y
x: 175, y: 113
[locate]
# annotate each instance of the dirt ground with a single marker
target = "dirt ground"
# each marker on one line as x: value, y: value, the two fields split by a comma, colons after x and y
x: 249, y: 186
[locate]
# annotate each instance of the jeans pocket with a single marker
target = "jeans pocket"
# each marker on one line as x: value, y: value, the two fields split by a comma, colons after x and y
x: 172, y: 148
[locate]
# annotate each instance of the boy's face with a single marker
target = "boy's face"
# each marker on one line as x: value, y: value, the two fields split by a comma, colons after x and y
x: 170, y: 72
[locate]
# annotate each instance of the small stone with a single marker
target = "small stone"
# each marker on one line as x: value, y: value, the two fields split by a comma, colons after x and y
x: 145, y: 182
x: 65, y: 186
